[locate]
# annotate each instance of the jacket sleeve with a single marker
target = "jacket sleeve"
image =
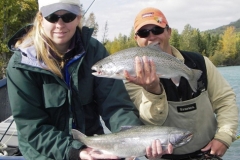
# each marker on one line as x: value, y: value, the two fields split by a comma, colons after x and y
x: 153, y: 109
x: 113, y: 101
x: 224, y: 104
x: 37, y: 136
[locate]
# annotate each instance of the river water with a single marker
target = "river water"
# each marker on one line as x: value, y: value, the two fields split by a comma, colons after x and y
x: 232, y: 75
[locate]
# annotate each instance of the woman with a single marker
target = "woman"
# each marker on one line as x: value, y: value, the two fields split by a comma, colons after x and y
x: 52, y: 90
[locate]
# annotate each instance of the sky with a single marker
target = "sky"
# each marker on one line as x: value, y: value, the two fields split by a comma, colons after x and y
x: 200, y: 14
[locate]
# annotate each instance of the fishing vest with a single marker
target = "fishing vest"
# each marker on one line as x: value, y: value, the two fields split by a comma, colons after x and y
x: 184, y: 91
x: 189, y: 110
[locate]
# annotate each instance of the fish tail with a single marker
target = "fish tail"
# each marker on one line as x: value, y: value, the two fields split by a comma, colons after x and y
x: 193, y: 81
x: 79, y: 135
x: 176, y: 80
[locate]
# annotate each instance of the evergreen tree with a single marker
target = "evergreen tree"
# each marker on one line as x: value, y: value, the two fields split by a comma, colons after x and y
x: 175, y: 38
x: 91, y: 23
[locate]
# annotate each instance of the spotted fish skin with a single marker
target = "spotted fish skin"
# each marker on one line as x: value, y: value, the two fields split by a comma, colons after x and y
x: 132, y: 141
x: 167, y: 66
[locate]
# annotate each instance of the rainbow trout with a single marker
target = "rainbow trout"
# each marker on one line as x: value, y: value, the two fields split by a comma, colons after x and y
x: 132, y: 141
x: 167, y: 66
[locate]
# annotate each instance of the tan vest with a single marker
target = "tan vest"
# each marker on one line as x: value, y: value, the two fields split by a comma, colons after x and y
x: 195, y: 115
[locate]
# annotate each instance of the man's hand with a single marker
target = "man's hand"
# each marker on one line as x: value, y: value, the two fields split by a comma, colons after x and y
x: 145, y: 75
x: 156, y: 150
x: 216, y: 148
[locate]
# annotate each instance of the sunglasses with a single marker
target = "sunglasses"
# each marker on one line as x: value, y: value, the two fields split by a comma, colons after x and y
x: 143, y: 33
x: 67, y: 18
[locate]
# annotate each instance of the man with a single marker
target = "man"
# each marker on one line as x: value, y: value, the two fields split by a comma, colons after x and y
x: 210, y: 112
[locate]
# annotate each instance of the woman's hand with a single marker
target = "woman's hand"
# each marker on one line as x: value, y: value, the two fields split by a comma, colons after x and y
x: 90, y: 154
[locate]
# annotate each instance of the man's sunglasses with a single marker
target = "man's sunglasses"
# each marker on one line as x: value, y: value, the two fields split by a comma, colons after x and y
x: 143, y: 33
x: 67, y: 18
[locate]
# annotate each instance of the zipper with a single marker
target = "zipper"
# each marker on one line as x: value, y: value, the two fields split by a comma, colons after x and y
x: 71, y: 115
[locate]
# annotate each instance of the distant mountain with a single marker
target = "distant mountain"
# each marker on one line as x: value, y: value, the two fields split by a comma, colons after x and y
x: 221, y: 29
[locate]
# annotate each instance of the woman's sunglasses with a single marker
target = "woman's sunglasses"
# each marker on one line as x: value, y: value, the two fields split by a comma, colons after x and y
x: 143, y: 33
x: 67, y: 18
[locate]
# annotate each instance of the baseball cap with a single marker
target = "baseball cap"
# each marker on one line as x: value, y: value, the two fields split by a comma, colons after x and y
x: 150, y: 15
x: 48, y: 7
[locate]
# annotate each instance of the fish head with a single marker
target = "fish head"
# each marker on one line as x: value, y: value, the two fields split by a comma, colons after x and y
x: 108, y: 70
x: 180, y: 137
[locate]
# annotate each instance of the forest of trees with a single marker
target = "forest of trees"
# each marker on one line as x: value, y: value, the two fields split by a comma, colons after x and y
x: 222, y: 48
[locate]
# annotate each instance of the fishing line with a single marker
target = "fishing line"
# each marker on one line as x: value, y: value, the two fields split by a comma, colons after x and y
x: 6, y: 130
x: 10, y: 136
x: 88, y: 7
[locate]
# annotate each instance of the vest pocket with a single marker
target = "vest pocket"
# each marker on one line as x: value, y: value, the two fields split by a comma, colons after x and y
x: 54, y: 95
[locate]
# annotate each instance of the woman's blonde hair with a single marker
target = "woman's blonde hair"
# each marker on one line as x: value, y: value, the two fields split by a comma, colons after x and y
x: 43, y: 46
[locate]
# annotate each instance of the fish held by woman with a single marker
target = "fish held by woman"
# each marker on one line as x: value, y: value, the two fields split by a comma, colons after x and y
x: 132, y: 141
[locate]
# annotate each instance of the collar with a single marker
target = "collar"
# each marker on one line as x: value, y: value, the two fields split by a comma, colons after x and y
x: 177, y: 54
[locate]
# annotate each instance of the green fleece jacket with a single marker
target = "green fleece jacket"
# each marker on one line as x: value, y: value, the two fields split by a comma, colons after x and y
x: 45, y: 107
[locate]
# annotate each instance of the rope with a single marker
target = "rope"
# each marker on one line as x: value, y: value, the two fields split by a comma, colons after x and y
x: 10, y: 136
x: 2, y: 149
x: 6, y: 130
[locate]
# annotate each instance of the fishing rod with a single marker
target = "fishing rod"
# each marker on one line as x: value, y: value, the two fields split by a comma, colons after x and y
x: 6, y: 130
x: 88, y: 7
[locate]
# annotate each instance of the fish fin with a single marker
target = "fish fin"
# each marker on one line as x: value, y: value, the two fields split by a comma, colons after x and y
x: 162, y: 76
x: 154, y: 46
x: 123, y: 128
x: 165, y: 146
x: 193, y: 82
x: 78, y: 135
x: 159, y: 75
x: 176, y: 80
x: 132, y: 158
x: 118, y: 76
x: 114, y: 76
x: 97, y: 151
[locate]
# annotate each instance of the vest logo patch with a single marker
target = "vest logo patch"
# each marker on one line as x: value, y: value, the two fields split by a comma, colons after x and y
x: 187, y: 108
